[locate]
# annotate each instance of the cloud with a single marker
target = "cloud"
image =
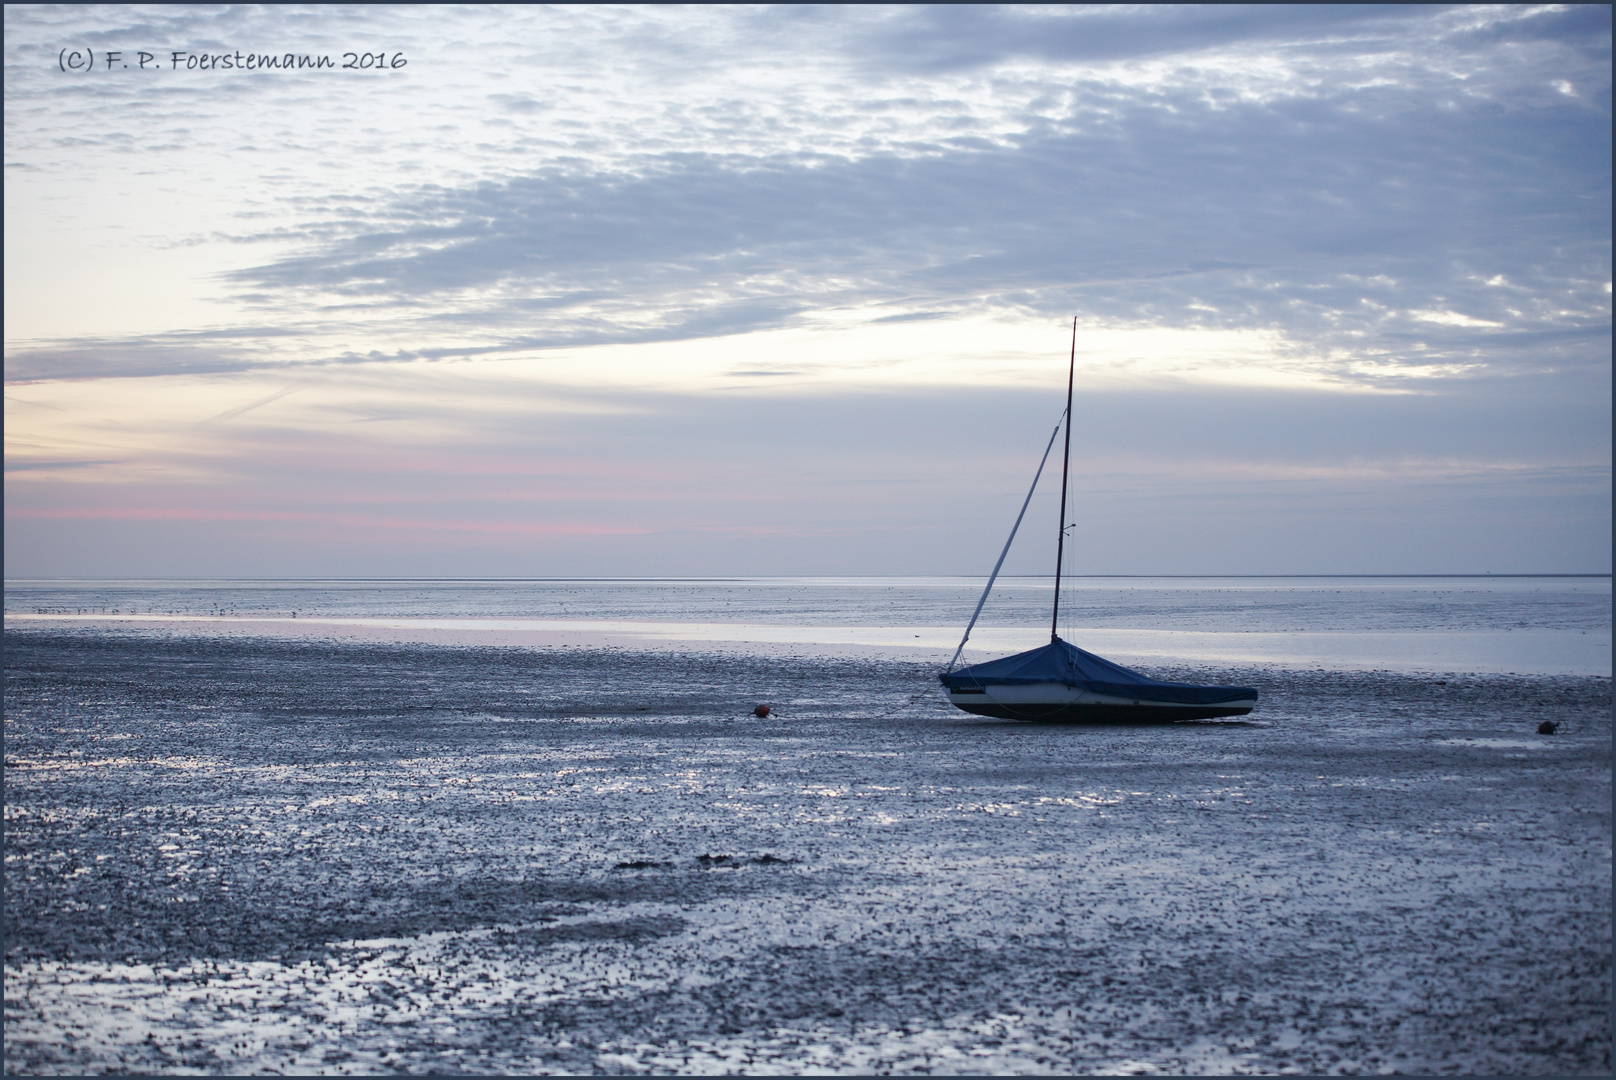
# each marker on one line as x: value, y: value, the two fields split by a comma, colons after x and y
x: 1331, y: 172
x: 949, y: 37
x: 52, y: 466
x: 668, y: 280
x: 520, y: 477
x: 1377, y: 235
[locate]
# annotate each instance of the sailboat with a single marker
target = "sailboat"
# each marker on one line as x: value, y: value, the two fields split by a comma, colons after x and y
x: 1059, y: 681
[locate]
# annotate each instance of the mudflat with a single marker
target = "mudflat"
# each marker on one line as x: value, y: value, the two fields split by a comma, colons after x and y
x: 242, y: 854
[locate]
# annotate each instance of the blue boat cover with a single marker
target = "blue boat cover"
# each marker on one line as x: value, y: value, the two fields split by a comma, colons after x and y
x: 1063, y: 662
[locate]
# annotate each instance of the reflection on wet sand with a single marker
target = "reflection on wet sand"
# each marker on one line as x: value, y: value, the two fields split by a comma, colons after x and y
x: 246, y: 854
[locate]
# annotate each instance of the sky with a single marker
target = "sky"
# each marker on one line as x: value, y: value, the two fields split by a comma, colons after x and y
x: 707, y: 291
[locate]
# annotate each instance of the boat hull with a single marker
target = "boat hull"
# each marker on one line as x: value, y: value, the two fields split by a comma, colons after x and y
x: 1060, y: 703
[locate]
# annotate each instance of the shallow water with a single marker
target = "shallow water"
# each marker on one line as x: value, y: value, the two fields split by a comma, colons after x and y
x: 1522, y: 625
x: 242, y: 852
x: 1314, y: 604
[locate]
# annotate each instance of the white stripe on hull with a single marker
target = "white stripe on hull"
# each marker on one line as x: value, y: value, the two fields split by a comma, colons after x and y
x: 1060, y: 702
x: 1061, y: 694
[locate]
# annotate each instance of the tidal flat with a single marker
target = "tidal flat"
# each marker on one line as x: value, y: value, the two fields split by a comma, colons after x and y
x: 251, y: 855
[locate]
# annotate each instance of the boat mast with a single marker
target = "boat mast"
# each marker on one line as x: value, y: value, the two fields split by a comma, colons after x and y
x: 1066, y: 467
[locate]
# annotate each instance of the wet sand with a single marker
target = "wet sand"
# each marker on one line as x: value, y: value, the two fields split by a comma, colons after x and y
x: 248, y: 854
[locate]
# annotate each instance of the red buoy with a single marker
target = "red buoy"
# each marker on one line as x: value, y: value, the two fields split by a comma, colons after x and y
x: 761, y: 711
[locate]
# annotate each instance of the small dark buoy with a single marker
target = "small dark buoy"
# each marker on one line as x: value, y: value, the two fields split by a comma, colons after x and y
x: 761, y: 711
x: 1547, y: 727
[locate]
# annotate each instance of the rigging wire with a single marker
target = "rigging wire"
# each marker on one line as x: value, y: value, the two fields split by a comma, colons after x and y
x: 996, y: 566
x: 1060, y: 544
x: 1070, y: 595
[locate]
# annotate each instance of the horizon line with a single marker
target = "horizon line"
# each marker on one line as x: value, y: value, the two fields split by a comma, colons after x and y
x: 754, y: 577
